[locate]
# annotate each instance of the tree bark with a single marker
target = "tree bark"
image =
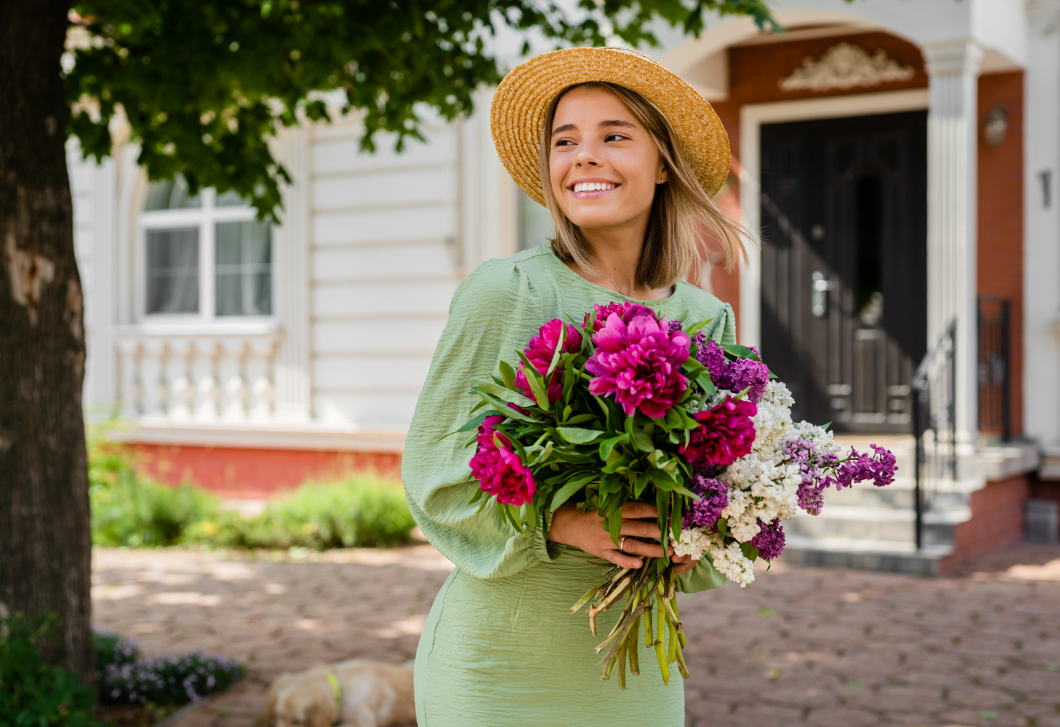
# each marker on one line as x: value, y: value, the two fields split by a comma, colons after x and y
x: 45, y: 542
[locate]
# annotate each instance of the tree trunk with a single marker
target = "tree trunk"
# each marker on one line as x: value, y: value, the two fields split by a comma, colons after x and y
x: 45, y: 543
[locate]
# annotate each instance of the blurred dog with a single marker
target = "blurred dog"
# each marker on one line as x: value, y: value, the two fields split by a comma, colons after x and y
x: 356, y: 693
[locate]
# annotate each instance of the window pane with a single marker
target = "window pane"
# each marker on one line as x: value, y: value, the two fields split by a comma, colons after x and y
x: 535, y: 223
x: 243, y: 273
x: 230, y: 199
x: 173, y: 271
x: 172, y: 195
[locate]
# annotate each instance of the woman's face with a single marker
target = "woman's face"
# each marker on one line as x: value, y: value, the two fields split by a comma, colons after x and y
x: 604, y: 165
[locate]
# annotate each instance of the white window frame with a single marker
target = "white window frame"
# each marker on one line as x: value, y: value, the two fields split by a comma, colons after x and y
x: 204, y: 217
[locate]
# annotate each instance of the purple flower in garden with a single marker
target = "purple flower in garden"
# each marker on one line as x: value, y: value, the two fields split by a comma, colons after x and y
x: 743, y: 373
x: 770, y: 540
x: 627, y: 311
x: 499, y: 470
x: 811, y: 498
x: 705, y: 512
x: 879, y: 467
x: 540, y: 350
x: 726, y: 434
x: 639, y: 363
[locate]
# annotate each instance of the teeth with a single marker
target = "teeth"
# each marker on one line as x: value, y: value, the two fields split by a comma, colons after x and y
x: 593, y: 186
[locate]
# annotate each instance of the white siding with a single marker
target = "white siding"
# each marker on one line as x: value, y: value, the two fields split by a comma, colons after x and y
x: 383, y: 273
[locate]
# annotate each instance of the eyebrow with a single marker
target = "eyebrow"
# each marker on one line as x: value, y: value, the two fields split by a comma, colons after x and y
x: 602, y: 125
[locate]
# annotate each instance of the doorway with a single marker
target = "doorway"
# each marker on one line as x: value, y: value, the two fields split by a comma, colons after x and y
x: 844, y: 265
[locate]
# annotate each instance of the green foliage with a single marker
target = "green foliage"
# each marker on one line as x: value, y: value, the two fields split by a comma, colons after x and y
x: 33, y: 693
x: 130, y: 509
x: 362, y: 511
x: 204, y: 85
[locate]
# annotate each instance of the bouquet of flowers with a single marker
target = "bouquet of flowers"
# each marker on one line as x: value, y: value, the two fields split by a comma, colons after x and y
x: 628, y: 406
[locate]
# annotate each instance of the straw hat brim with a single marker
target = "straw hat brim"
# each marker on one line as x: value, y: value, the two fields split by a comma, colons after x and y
x: 517, y: 114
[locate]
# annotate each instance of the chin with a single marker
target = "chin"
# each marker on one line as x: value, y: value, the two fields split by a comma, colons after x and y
x: 597, y: 219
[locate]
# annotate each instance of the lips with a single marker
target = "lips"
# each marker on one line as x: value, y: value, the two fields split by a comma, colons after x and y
x: 592, y: 187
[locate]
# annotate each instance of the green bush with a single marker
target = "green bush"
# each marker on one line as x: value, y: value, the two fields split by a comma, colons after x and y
x: 131, y: 509
x: 363, y: 510
x: 33, y: 693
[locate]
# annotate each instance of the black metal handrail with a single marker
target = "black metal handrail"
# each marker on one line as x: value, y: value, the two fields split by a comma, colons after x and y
x: 934, y: 408
x: 995, y: 397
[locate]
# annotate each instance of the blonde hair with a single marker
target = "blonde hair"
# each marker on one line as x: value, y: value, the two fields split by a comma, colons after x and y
x: 680, y: 208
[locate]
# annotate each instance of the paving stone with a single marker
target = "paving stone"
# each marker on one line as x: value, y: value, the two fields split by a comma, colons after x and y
x: 801, y: 646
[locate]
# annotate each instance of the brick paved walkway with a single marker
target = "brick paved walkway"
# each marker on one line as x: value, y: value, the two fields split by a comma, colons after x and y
x: 807, y: 647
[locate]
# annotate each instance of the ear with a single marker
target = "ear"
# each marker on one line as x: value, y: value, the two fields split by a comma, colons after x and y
x: 321, y: 714
x: 664, y: 174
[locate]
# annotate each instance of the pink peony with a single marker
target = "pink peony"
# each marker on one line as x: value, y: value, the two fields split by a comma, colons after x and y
x: 626, y: 311
x: 540, y: 351
x: 726, y: 434
x: 499, y: 470
x: 639, y: 363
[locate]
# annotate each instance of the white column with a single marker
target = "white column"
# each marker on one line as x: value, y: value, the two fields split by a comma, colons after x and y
x: 953, y: 69
x: 1041, y: 250
x: 291, y: 274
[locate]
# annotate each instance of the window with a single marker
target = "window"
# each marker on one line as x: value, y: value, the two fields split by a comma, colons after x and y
x: 206, y: 256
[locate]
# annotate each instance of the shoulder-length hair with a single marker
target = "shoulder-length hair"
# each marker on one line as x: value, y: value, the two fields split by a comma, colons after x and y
x: 681, y: 209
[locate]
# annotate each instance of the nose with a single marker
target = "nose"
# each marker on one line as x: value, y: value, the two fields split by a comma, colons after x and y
x: 587, y: 156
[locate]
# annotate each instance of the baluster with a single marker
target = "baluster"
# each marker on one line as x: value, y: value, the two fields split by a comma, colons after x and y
x: 233, y: 384
x: 204, y: 375
x: 178, y: 371
x: 130, y: 395
x: 152, y: 378
x: 260, y: 376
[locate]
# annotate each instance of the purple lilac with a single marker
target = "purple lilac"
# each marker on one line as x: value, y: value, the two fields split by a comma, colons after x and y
x: 879, y: 467
x: 705, y: 512
x: 770, y: 540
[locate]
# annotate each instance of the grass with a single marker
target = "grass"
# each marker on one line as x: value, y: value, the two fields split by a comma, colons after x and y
x: 130, y: 509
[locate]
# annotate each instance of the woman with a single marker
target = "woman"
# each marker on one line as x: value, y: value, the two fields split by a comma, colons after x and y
x: 626, y: 157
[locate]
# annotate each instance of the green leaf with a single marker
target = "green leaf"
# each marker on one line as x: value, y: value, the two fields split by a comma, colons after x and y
x: 749, y: 551
x: 564, y: 493
x: 507, y: 374
x: 707, y: 384
x: 504, y: 394
x: 723, y: 527
x: 559, y: 350
x: 641, y: 484
x: 609, y: 444
x: 474, y: 423
x: 693, y: 330
x: 576, y: 435
x: 618, y: 464
x: 610, y: 484
x: 642, y: 441
x: 508, y: 411
x: 662, y: 479
x: 614, y: 524
x: 537, y: 384
x: 579, y: 418
x: 675, y: 518
x: 741, y: 352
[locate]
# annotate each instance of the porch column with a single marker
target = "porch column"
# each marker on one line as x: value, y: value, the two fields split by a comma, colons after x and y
x: 953, y: 70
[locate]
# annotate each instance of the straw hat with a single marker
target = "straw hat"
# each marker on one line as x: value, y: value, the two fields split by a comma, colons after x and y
x: 520, y: 102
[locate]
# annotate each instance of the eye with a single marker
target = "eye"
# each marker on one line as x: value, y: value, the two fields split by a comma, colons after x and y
x: 615, y: 137
x: 564, y: 142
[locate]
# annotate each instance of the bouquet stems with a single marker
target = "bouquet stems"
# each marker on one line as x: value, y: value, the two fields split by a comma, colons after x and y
x: 648, y: 589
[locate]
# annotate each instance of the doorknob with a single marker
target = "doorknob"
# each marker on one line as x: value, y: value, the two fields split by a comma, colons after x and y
x: 819, y: 294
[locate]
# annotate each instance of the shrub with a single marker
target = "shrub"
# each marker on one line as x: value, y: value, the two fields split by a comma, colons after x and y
x: 33, y: 693
x: 363, y: 510
x: 168, y: 679
x: 113, y: 649
x: 130, y: 509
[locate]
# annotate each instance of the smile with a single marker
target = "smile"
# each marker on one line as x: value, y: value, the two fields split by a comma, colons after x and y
x: 592, y: 186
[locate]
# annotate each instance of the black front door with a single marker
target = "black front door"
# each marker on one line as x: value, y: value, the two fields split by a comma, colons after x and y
x: 844, y: 265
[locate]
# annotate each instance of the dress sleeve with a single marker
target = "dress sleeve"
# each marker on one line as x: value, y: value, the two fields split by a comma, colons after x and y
x: 493, y: 312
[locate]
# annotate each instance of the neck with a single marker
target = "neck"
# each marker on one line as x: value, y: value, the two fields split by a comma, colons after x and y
x: 616, y: 252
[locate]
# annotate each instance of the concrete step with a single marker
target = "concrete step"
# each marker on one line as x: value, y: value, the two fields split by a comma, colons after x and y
x: 940, y: 494
x: 864, y: 554
x: 874, y: 523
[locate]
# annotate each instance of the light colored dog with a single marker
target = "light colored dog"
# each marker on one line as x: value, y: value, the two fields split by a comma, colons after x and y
x: 356, y: 693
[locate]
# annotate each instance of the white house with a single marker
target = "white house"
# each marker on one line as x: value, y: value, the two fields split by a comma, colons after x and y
x: 902, y: 159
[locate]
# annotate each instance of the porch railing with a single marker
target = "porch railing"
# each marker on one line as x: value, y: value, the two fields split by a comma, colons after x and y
x: 934, y: 408
x: 995, y: 404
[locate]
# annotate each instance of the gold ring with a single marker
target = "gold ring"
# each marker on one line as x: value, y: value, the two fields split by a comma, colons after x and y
x: 622, y: 543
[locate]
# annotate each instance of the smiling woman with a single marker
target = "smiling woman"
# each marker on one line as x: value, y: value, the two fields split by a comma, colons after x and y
x: 626, y: 158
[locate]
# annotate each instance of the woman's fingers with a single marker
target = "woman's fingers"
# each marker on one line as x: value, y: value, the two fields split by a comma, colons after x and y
x: 639, y: 510
x: 639, y: 547
x: 641, y: 529
x: 622, y: 559
x: 684, y: 563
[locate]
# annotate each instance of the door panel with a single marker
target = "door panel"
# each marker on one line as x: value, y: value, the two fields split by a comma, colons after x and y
x: 844, y: 286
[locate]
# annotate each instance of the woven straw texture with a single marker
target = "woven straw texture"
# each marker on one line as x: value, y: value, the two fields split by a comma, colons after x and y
x: 518, y: 110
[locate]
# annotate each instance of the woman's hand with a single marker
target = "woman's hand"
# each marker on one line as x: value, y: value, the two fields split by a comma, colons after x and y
x: 639, y: 520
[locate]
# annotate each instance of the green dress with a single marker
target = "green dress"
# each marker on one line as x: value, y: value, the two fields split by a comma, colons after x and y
x: 499, y: 647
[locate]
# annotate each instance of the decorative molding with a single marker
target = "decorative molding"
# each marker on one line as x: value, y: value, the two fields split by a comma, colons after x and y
x: 843, y: 66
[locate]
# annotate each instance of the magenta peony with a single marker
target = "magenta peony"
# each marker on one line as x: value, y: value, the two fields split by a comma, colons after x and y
x: 626, y: 311
x: 540, y: 351
x: 499, y: 470
x: 726, y: 434
x: 639, y: 363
